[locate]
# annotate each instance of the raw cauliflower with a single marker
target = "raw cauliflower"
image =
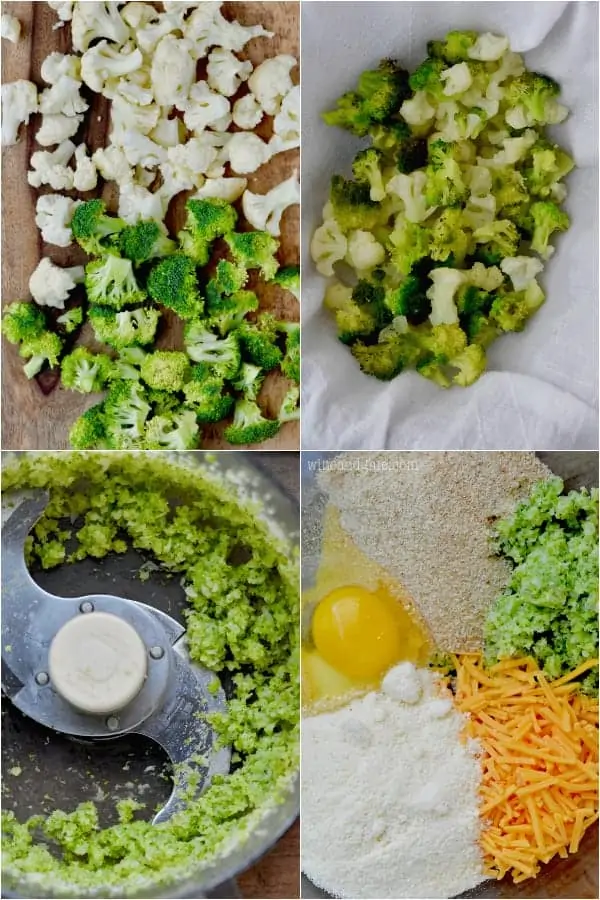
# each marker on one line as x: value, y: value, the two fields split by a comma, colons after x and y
x: 173, y: 71
x: 19, y: 101
x: 225, y: 72
x: 50, y: 167
x: 264, y: 211
x: 50, y: 285
x: 247, y: 152
x: 57, y: 128
x: 271, y: 82
x: 53, y: 214
x: 10, y: 28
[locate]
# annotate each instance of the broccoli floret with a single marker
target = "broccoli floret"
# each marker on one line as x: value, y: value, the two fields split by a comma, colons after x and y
x: 228, y: 279
x: 352, y: 205
x: 365, y: 291
x: 501, y: 236
x: 110, y: 281
x: 203, y: 346
x: 445, y: 182
x: 125, y: 412
x: 258, y: 341
x: 388, y: 358
x: 205, y: 392
x: 388, y: 137
x: 249, y: 425
x: 411, y: 155
x: 289, y: 411
x: 163, y: 403
x: 548, y: 165
x: 426, y: 77
x: 173, y: 283
x: 480, y: 330
x: 378, y: 95
x: 145, y: 240
x: 409, y: 243
x: 473, y: 305
x: 290, y: 365
x: 510, y: 310
x: 255, y: 250
x: 165, y: 370
x: 449, y: 237
x: 423, y: 267
x: 91, y: 226
x: 249, y: 380
x: 22, y: 321
x: 470, y: 364
x: 508, y: 187
x: 130, y: 327
x: 88, y: 431
x: 228, y: 313
x: 410, y: 300
x: 532, y: 91
x: 39, y: 350
x: 128, y: 364
x: 71, y: 319
x: 354, y: 321
x: 367, y: 170
x: 547, y: 218
x: 178, y: 431
x: 85, y: 371
x: 288, y: 278
x: 488, y: 254
x: 455, y: 46
x: 206, y: 221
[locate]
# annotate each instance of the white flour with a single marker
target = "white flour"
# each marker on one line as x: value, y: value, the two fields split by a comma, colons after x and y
x: 390, y: 795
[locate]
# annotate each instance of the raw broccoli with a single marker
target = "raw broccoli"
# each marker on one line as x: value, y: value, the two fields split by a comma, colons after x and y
x: 206, y: 221
x: 548, y: 165
x: 378, y: 96
x: 163, y: 403
x: 410, y: 300
x: 23, y: 321
x: 532, y: 91
x: 227, y: 313
x: 409, y: 243
x: 290, y: 365
x: 249, y: 426
x: 178, y: 431
x: 205, y: 393
x: 249, y: 380
x: 128, y: 364
x: 125, y: 412
x: 203, y: 346
x: 289, y: 411
x: 91, y: 226
x: 449, y: 237
x: 426, y: 77
x: 228, y: 279
x: 288, y: 278
x: 71, y: 319
x: 255, y: 250
x: 165, y: 370
x: 85, y: 371
x: 88, y: 431
x: 110, y: 281
x: 145, y: 240
x: 39, y: 350
x: 173, y: 283
x: 445, y: 182
x: 258, y: 341
x: 500, y: 236
x: 454, y: 48
x: 127, y: 328
x: 367, y: 171
x: 352, y: 205
x: 547, y: 218
x: 388, y: 358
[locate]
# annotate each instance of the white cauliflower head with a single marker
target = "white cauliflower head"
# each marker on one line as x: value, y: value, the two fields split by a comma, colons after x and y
x: 247, y: 112
x: 207, y: 27
x: 113, y: 164
x: 521, y: 270
x: 441, y: 293
x: 137, y: 202
x: 246, y: 152
x: 57, y: 64
x: 63, y: 97
x: 103, y: 62
x: 97, y: 20
x: 328, y: 246
x: 230, y: 189
x: 85, y: 177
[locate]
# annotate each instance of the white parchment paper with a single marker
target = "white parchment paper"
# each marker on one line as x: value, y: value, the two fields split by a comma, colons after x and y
x: 541, y: 388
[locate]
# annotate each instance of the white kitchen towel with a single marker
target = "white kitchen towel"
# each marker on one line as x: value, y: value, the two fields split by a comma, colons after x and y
x: 541, y: 387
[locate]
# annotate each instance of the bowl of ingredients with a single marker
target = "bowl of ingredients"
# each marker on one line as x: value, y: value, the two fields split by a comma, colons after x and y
x: 450, y: 675
x: 150, y: 672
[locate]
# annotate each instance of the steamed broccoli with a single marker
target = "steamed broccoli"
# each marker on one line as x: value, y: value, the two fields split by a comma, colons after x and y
x: 206, y: 221
x: 91, y: 226
x: 511, y: 309
x: 290, y: 365
x: 228, y: 313
x: 88, y: 431
x: 258, y: 341
x: 255, y: 250
x: 352, y: 205
x: 469, y: 364
x: 377, y: 97
x: 289, y: 411
x: 388, y: 358
x: 288, y: 278
x: 547, y: 218
x: 449, y: 237
x: 366, y: 169
x: 499, y: 237
x: 426, y: 77
x: 445, y: 182
x: 178, y: 431
x: 165, y: 370
x: 409, y: 243
x: 390, y: 136
x: 412, y: 154
x: 38, y: 350
x: 548, y: 165
x: 204, y: 391
x: 125, y: 412
x: 71, y: 319
x: 85, y: 371
x: 249, y: 425
x: 473, y: 306
x: 249, y: 380
x: 365, y: 291
x: 455, y: 46
x: 127, y: 328
x: 532, y: 91
x: 354, y: 320
x: 22, y: 321
x: 173, y: 283
x: 410, y: 300
x: 110, y: 281
x: 145, y: 240
x: 203, y: 346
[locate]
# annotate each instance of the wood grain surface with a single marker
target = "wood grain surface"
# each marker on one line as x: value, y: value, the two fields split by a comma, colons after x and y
x: 36, y: 414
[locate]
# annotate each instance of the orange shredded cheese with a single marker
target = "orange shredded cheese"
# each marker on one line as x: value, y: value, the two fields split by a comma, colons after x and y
x: 539, y: 790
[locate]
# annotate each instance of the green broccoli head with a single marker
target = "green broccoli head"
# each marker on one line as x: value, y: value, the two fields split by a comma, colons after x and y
x: 352, y: 205
x: 547, y: 218
x: 85, y: 371
x: 445, y: 182
x: 288, y: 278
x: 145, y: 240
x: 130, y: 327
x: 22, y: 321
x: 165, y: 370
x: 110, y: 281
x: 409, y: 242
x: 205, y: 393
x: 388, y: 358
x: 379, y: 94
x: 249, y: 380
x: 290, y: 365
x: 548, y: 165
x: 228, y: 313
x: 203, y: 346
x: 367, y: 171
x: 258, y: 341
x: 92, y: 228
x: 289, y: 411
x: 249, y: 426
x: 449, y: 237
x: 454, y: 48
x: 71, y: 319
x: 177, y: 431
x: 499, y: 237
x: 255, y: 250
x: 128, y: 364
x: 173, y: 283
x: 409, y: 299
x: 206, y: 221
x: 444, y: 341
x: 39, y: 350
x: 426, y: 77
x: 126, y: 409
x: 532, y: 91
x: 88, y: 431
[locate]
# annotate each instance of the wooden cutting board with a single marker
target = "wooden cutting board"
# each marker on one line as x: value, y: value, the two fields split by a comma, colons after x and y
x: 36, y: 415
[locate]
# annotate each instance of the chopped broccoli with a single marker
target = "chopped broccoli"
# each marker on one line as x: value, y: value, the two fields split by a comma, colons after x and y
x: 510, y: 310
x: 85, y: 371
x: 445, y: 183
x: 249, y: 425
x: 449, y: 237
x: 258, y: 341
x: 205, y: 393
x: 409, y: 243
x: 365, y: 291
x: 548, y: 165
x: 71, y: 319
x: 173, y: 283
x: 352, y: 205
x: 110, y: 281
x: 228, y: 313
x: 390, y: 136
x: 532, y: 91
x: 177, y: 431
x: 500, y: 236
x: 125, y: 412
x: 88, y: 431
x: 388, y: 358
x: 547, y: 218
x: 165, y: 370
x: 288, y: 278
x: 289, y: 411
x: 367, y: 171
x: 145, y: 240
x: 228, y: 279
x: 509, y: 189
x: 410, y: 300
x: 426, y: 77
x: 249, y: 380
x: 355, y: 321
x: 473, y: 308
x: 128, y: 363
x: 203, y: 346
x: 470, y: 364
x: 23, y: 321
x: 206, y: 221
x: 163, y: 403
x: 91, y: 226
x: 255, y: 250
x: 378, y: 96
x: 290, y: 365
x: 130, y: 327
x: 39, y: 350
x: 412, y: 154
x: 455, y: 46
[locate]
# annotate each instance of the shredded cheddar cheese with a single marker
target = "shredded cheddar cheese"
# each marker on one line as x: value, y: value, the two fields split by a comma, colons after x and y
x: 539, y: 790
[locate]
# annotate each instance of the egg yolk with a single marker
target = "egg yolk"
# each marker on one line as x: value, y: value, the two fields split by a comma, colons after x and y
x: 357, y: 632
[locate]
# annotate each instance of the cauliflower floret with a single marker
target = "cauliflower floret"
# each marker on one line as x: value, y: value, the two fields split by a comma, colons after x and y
x: 168, y: 132
x: 225, y: 72
x: 488, y: 47
x: 513, y: 150
x: 126, y: 116
x: 58, y: 64
x: 10, y: 28
x: 165, y: 23
x: 204, y: 107
x: 173, y: 71
x: 57, y: 128
x: 521, y: 270
x: 230, y: 189
x: 137, y: 15
x: 487, y: 279
x: 136, y: 88
x: 554, y: 113
x: 85, y: 177
x: 103, y: 62
x: 220, y: 140
x: 264, y: 211
x: 479, y: 180
x: 271, y: 82
x: 50, y: 167
x: 112, y: 164
x: 411, y: 190
x: 479, y: 211
x: 53, y: 214
x: 246, y: 152
x: 94, y: 20
x: 247, y: 112
x: 63, y: 98
x: 207, y: 27
x: 286, y: 124
x: 19, y: 101
x: 457, y: 79
x: 328, y: 246
x: 137, y: 202
x: 63, y: 9
x: 141, y: 150
x: 417, y: 111
x: 49, y: 285
x: 189, y: 162
x: 441, y: 293
x: 364, y: 251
